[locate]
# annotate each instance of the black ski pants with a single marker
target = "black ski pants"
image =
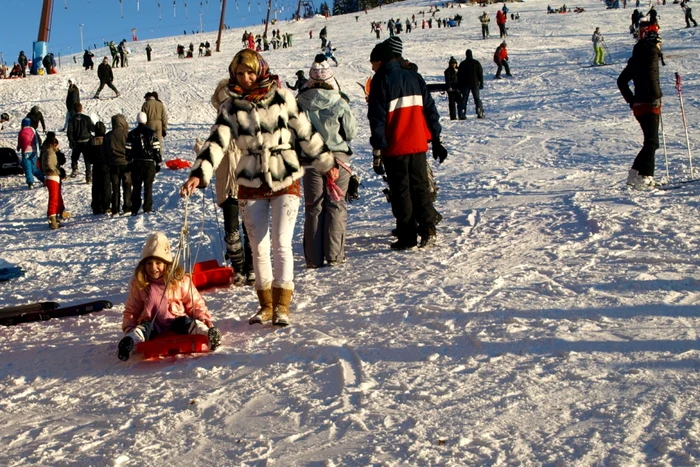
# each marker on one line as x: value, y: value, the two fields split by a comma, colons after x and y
x: 501, y: 65
x: 143, y: 173
x: 84, y: 149
x: 411, y: 201
x: 102, y: 85
x: 484, y: 31
x: 689, y: 19
x: 237, y: 248
x: 453, y: 100
x: 120, y: 176
x: 101, y: 188
x: 462, y: 106
x: 644, y: 162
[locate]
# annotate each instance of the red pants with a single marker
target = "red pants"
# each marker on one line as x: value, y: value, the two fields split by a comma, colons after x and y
x: 56, y: 207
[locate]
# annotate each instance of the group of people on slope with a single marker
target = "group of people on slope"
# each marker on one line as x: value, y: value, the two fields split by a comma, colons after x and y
x: 259, y: 172
x: 462, y: 80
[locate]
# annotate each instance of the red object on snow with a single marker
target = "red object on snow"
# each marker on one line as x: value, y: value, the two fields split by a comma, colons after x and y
x: 176, y: 164
x: 169, y: 343
x: 209, y: 275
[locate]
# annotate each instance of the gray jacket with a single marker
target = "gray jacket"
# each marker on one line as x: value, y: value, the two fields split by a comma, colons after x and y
x: 330, y: 115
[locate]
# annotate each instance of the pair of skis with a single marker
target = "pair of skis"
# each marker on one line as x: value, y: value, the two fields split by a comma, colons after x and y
x: 42, y: 311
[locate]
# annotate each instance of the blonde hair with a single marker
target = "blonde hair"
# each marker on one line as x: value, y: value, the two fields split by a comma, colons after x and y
x: 246, y: 57
x: 175, y: 273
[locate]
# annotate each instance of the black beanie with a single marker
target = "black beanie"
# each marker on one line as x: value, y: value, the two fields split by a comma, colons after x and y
x: 381, y: 53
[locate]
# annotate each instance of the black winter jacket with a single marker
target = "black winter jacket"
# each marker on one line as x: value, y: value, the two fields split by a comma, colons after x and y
x: 72, y: 98
x: 104, y: 72
x: 643, y: 69
x: 114, y: 146
x: 470, y: 74
x: 80, y: 129
x: 451, y: 79
x: 36, y: 117
x: 142, y: 144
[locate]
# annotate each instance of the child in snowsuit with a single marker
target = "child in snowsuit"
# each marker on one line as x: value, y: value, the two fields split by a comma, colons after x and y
x: 329, y: 53
x: 163, y: 298
x: 27, y: 143
x: 51, y: 161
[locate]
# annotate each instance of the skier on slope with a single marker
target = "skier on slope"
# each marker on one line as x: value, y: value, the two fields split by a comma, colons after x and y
x: 645, y: 102
x: 597, y: 40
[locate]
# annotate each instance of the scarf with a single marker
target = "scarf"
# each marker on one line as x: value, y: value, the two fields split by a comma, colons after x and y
x: 261, y: 87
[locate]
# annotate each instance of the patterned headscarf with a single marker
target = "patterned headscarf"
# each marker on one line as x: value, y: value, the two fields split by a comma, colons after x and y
x: 262, y: 85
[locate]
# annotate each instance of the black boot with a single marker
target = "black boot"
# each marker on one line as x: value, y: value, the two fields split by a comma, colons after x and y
x: 126, y: 345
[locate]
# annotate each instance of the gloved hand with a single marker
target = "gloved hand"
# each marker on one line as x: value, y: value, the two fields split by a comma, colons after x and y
x: 163, y: 133
x: 481, y: 86
x: 157, y: 168
x: 439, y: 152
x: 377, y: 164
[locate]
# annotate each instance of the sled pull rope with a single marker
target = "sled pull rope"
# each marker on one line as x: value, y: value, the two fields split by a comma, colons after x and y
x: 182, y: 252
x: 222, y: 241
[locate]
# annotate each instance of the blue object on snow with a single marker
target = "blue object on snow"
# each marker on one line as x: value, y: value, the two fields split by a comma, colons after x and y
x: 12, y: 272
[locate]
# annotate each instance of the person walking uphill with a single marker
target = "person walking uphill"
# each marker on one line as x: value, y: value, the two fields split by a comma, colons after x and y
x: 325, y: 208
x: 501, y: 19
x: 104, y: 73
x: 256, y: 131
x: 402, y: 119
x: 453, y: 95
x: 597, y: 39
x: 143, y: 154
x: 51, y: 161
x: 643, y: 69
x: 80, y: 130
x: 471, y: 80
x: 72, y: 98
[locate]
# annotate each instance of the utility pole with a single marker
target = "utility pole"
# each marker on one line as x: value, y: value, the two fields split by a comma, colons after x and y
x: 201, y: 29
x: 221, y: 25
x: 267, y: 20
x: 299, y: 11
x: 81, y: 36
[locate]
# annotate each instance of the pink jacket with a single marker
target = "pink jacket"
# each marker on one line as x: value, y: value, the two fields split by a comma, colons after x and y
x: 26, y: 141
x: 180, y: 303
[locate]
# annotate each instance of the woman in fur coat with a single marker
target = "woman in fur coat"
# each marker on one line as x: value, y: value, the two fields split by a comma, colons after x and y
x: 256, y: 131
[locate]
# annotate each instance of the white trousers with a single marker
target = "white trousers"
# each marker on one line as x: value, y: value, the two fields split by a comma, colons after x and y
x: 256, y: 216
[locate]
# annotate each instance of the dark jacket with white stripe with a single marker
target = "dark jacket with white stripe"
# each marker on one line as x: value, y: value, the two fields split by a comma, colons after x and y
x: 402, y: 114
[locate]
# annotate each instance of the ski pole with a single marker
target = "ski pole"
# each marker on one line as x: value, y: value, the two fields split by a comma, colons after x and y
x: 663, y: 135
x: 685, y: 122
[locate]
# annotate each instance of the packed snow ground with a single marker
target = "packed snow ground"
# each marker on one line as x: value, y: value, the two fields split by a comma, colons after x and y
x: 555, y: 323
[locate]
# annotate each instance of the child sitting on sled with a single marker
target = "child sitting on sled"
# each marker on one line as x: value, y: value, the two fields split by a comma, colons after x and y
x: 163, y: 298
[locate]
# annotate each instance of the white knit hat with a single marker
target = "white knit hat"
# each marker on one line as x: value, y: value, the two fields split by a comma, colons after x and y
x: 321, y: 71
x: 157, y: 246
x: 142, y: 118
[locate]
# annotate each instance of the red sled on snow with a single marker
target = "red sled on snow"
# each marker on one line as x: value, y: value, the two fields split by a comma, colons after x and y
x: 176, y: 164
x: 209, y: 275
x: 170, y: 344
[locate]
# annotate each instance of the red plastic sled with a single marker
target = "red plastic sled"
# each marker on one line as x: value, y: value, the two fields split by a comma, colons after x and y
x: 209, y: 275
x: 169, y: 344
x: 176, y: 164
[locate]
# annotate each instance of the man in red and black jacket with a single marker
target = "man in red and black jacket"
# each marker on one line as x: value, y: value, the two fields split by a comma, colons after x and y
x: 403, y: 119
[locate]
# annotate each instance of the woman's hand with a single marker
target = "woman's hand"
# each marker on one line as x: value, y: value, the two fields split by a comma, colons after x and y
x: 190, y: 185
x: 333, y: 174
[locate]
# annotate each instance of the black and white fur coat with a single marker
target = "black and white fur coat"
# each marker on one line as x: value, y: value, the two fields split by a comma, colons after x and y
x: 258, y: 141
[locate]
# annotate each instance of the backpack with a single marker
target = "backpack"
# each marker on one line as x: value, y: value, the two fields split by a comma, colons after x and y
x: 9, y: 162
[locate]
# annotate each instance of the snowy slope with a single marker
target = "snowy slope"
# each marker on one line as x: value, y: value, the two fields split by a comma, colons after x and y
x: 555, y: 323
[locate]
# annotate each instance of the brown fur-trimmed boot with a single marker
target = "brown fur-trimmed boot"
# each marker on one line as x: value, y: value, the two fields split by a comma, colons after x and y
x: 281, y: 299
x: 53, y: 223
x: 264, y: 314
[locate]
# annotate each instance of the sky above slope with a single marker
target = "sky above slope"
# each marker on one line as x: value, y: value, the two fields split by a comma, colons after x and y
x: 106, y: 20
